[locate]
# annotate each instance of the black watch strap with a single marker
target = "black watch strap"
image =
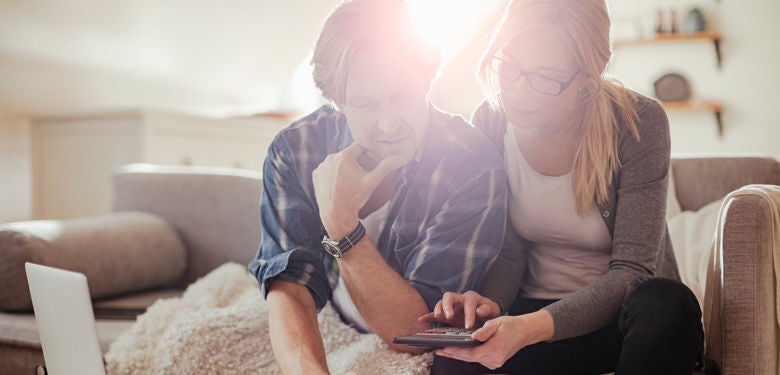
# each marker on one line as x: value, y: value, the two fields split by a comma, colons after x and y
x: 339, y: 248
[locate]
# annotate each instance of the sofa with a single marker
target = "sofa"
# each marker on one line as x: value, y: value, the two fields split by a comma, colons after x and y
x: 172, y: 225
x: 213, y: 212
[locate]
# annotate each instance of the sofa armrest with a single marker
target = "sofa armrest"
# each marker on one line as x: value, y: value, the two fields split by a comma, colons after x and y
x: 214, y: 210
x: 742, y: 335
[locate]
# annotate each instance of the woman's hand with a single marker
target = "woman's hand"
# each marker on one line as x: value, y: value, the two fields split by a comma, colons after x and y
x: 502, y: 337
x: 463, y: 310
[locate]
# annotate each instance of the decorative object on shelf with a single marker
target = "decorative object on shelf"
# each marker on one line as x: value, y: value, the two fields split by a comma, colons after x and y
x: 660, y: 22
x: 666, y: 22
x: 672, y: 87
x: 694, y: 21
x: 674, y: 92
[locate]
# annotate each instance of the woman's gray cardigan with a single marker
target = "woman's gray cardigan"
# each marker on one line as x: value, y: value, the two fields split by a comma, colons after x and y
x: 635, y: 214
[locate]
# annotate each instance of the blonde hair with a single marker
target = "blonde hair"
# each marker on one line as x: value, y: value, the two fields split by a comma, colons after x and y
x: 603, y: 104
x: 359, y: 24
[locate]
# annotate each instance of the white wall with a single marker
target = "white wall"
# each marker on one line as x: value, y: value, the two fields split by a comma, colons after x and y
x: 746, y: 84
x: 15, y: 178
x: 220, y: 58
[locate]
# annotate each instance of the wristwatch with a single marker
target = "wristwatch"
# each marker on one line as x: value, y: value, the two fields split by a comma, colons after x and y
x: 339, y: 248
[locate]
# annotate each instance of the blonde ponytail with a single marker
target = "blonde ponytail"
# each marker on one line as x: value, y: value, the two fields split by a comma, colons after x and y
x: 596, y: 159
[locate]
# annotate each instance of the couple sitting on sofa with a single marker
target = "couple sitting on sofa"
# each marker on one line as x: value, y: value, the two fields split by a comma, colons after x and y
x: 552, y: 208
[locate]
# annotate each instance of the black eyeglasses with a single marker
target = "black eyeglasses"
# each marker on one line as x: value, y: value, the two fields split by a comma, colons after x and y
x: 542, y: 84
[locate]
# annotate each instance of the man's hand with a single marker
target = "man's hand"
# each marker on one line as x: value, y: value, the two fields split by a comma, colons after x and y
x: 342, y: 187
x: 463, y: 310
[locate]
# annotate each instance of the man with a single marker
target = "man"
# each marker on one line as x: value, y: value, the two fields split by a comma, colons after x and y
x: 382, y: 204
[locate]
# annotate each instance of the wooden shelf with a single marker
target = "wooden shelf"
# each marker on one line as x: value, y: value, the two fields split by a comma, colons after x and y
x: 703, y: 35
x: 707, y: 36
x: 698, y: 106
x: 285, y: 116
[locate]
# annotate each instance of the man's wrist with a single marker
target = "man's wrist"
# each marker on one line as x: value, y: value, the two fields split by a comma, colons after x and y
x: 338, y: 229
x: 338, y: 248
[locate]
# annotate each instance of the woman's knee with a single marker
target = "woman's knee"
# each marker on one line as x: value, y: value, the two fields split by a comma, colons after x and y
x: 663, y: 302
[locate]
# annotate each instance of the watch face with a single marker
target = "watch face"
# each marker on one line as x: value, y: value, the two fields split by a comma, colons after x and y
x: 331, y: 247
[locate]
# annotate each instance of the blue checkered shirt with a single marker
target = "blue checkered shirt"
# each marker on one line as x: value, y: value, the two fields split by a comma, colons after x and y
x: 446, y: 215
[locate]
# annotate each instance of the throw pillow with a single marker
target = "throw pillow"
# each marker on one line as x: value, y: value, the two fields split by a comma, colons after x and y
x: 672, y: 204
x: 692, y: 234
x: 118, y: 252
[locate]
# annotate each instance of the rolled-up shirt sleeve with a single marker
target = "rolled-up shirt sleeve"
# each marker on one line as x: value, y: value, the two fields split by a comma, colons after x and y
x: 291, y: 230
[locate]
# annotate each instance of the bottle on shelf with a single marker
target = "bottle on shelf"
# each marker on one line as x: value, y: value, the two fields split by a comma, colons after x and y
x: 660, y: 22
x: 673, y: 26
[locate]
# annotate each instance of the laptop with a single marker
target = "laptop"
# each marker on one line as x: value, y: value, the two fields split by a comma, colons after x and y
x: 66, y: 324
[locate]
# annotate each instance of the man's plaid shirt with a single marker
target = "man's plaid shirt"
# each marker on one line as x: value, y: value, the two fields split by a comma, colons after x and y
x: 446, y: 215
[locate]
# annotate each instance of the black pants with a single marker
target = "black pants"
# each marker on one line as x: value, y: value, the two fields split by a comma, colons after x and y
x: 658, y: 331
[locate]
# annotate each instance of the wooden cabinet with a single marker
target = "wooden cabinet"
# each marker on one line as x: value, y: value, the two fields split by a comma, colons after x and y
x: 74, y: 156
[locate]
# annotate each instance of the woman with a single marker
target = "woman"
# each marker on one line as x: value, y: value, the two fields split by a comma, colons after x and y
x: 587, y: 261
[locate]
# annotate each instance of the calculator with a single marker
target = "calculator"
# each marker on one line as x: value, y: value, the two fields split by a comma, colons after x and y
x: 439, y: 337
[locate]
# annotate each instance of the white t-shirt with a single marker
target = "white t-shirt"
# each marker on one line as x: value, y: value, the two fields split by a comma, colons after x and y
x: 341, y: 299
x: 569, y: 251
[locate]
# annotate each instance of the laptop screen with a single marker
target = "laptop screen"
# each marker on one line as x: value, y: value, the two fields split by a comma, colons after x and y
x: 66, y: 324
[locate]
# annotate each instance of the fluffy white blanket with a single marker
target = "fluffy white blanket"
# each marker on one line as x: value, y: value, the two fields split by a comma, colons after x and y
x: 220, y: 326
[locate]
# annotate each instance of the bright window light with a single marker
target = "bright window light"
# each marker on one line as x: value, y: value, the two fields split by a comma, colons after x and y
x: 450, y: 23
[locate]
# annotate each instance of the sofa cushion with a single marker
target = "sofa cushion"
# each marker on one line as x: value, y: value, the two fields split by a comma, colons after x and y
x: 672, y: 204
x: 19, y: 330
x: 131, y: 305
x: 692, y: 234
x: 119, y: 253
